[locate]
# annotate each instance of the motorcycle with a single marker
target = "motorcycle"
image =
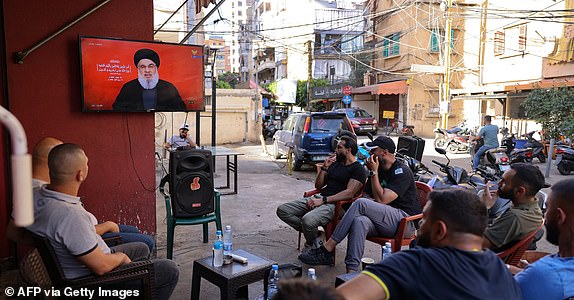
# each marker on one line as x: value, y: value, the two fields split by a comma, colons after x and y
x: 269, y: 130
x: 418, y: 168
x: 565, y: 160
x: 455, y: 176
x: 444, y: 135
x: 494, y: 161
x: 536, y: 146
x: 514, y: 155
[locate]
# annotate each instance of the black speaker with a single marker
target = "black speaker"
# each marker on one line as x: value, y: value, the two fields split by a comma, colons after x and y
x: 412, y: 146
x: 191, y: 183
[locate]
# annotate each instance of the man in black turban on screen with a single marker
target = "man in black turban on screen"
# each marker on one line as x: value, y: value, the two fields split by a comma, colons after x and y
x: 148, y: 92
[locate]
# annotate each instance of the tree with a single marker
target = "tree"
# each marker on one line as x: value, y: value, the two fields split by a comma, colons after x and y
x: 302, y: 94
x: 553, y: 108
x: 232, y: 79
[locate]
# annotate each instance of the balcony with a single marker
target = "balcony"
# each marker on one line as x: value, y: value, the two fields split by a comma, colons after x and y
x: 342, y: 20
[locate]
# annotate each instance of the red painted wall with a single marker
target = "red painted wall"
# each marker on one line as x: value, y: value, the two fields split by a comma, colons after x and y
x: 44, y: 94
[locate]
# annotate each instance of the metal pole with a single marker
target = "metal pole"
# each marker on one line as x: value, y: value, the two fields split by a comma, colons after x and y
x: 189, y: 34
x: 213, y: 98
x: 171, y: 16
x: 20, y: 56
x: 447, y: 51
x: 197, y: 127
x: 309, y: 74
x: 549, y: 160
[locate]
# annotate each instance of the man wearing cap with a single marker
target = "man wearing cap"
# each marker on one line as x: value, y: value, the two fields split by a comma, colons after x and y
x: 390, y: 196
x: 519, y: 184
x: 148, y: 92
x: 183, y: 139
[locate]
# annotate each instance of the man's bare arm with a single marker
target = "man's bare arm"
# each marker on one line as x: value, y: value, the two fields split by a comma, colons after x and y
x: 106, y: 227
x: 362, y: 287
x: 101, y: 263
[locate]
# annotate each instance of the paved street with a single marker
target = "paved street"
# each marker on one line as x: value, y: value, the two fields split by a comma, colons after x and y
x: 263, y: 185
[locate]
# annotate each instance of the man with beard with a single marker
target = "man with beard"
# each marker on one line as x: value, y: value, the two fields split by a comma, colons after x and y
x: 519, y: 184
x: 447, y: 263
x: 183, y: 139
x: 340, y: 178
x: 391, y: 196
x: 552, y: 277
x: 148, y: 92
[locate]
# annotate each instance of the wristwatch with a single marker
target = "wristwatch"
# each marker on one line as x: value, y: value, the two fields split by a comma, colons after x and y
x: 323, y: 168
x: 372, y: 173
x: 324, y: 199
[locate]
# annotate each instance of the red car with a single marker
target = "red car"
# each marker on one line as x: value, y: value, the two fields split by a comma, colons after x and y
x: 361, y: 120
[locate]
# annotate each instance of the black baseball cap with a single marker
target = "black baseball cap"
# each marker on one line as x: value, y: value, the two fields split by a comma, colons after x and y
x: 383, y: 142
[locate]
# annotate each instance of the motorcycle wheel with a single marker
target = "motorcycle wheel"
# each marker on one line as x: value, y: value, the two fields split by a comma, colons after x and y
x: 439, y: 142
x: 452, y: 148
x: 563, y: 169
x: 541, y: 157
x: 276, y: 153
x: 297, y: 164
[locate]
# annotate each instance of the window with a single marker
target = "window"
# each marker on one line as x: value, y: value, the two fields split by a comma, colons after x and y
x: 522, y: 37
x: 391, y: 45
x: 239, y: 13
x: 437, y: 40
x: 499, y: 43
x: 239, y: 3
x: 515, y: 40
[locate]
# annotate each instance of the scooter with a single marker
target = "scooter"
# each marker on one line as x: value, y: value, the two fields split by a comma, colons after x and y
x: 444, y: 135
x: 565, y: 160
x: 455, y: 176
x: 458, y: 144
x: 494, y: 162
x: 536, y: 146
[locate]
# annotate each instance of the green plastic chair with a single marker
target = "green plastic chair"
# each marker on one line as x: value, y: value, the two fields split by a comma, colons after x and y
x: 173, y: 221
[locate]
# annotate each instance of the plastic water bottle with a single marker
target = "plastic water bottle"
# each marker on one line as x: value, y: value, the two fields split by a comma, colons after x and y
x: 218, y: 250
x: 273, y: 280
x: 386, y: 250
x: 227, y: 245
x: 311, y: 274
x: 383, y: 250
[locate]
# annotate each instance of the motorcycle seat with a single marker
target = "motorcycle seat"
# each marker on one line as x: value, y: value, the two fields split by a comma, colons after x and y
x: 454, y: 130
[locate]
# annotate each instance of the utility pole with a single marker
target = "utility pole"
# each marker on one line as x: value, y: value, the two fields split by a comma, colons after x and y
x: 309, y: 73
x: 447, y: 51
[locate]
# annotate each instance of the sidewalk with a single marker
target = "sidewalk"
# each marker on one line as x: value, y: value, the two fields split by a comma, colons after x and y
x: 262, y: 186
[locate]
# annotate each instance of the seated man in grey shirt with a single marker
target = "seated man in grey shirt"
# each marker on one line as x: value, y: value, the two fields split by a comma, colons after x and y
x: 60, y: 217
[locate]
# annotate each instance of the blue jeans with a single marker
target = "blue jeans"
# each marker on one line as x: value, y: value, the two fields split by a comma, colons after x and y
x: 480, y: 152
x: 131, y: 234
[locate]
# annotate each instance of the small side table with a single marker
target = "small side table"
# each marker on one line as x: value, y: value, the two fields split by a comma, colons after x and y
x: 345, y: 277
x: 232, y: 279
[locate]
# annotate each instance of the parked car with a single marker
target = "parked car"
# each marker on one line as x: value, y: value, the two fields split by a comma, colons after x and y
x: 361, y: 120
x: 310, y: 135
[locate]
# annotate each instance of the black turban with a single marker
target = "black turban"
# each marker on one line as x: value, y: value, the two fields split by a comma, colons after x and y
x: 146, y: 53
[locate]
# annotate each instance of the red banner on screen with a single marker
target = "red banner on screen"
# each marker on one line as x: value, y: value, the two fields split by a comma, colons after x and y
x: 107, y: 66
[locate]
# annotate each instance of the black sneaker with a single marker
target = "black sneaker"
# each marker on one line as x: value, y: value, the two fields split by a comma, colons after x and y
x: 318, y: 256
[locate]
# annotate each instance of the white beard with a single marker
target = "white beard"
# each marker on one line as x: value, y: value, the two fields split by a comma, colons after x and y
x: 148, y: 84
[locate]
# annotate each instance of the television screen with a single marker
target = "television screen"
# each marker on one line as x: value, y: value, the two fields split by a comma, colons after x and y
x: 135, y: 76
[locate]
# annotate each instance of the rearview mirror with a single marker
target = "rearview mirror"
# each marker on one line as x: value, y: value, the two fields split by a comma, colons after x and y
x: 440, y: 150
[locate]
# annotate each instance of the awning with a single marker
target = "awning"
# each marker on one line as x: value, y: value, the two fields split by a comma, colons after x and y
x: 386, y: 88
x: 541, y: 84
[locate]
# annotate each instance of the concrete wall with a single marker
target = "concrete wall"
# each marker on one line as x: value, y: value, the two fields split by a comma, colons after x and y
x: 44, y: 94
x: 238, y: 119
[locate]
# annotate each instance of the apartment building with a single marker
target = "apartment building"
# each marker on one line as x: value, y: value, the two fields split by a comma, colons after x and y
x: 285, y: 30
x: 511, y: 48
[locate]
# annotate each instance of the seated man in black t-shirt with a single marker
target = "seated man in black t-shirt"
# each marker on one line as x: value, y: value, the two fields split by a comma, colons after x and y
x: 392, y: 195
x: 341, y: 177
x: 449, y: 264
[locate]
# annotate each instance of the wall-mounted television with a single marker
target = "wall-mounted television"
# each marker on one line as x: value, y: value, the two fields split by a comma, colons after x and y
x: 136, y: 76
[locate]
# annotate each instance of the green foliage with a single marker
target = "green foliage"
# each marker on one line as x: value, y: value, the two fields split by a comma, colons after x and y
x: 553, y: 108
x: 302, y: 94
x: 232, y: 79
x: 223, y: 85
